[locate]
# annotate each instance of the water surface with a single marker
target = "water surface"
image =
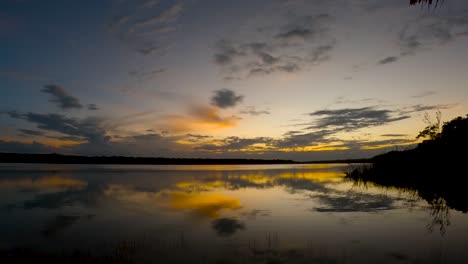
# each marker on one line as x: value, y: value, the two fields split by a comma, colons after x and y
x: 227, y: 214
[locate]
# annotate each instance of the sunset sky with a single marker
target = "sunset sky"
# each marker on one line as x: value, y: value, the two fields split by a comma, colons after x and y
x: 290, y: 79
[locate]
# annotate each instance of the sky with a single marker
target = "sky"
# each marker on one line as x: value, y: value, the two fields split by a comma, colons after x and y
x: 290, y: 79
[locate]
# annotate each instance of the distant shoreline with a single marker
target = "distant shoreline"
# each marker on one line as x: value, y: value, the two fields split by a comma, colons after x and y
x: 71, y: 159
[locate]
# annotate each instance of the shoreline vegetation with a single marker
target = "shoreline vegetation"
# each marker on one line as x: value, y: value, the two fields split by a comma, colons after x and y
x: 70, y: 159
x: 436, y: 168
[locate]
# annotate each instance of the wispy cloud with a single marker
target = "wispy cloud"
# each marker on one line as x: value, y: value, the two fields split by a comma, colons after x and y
x: 236, y: 144
x: 393, y: 135
x: 29, y: 132
x: 251, y: 110
x: 424, y: 94
x: 61, y: 97
x: 429, y: 30
x: 92, y: 107
x: 90, y: 128
x: 301, y: 42
x: 422, y: 108
x: 146, y: 27
x: 226, y: 98
x: 388, y: 60
x: 349, y: 119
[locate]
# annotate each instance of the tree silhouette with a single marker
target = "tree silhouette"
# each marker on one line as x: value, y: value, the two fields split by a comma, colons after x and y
x: 433, y: 128
x: 426, y: 2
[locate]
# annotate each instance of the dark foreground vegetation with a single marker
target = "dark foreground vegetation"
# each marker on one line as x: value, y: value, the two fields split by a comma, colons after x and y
x: 436, y: 168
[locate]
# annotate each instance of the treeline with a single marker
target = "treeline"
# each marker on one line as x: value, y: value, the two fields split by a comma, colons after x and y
x: 70, y: 159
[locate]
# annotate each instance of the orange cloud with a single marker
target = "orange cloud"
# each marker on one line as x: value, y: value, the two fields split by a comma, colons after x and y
x: 199, y: 118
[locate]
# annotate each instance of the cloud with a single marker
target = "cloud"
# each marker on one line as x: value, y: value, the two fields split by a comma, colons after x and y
x: 198, y: 118
x: 421, y: 108
x: 250, y: 110
x: 388, y: 60
x: 144, y: 76
x: 301, y: 139
x: 90, y: 128
x: 226, y: 98
x: 197, y: 138
x: 236, y: 143
x: 424, y: 94
x: 30, y: 132
x: 429, y: 30
x: 293, y: 46
x: 394, y: 135
x: 165, y: 16
x: 92, y: 107
x: 305, y: 28
x: 350, y: 119
x: 147, y: 27
x: 61, y: 97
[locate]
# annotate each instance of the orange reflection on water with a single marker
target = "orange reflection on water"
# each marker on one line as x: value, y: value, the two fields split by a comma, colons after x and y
x: 198, y: 185
x: 316, y: 176
x: 43, y: 183
x: 206, y: 204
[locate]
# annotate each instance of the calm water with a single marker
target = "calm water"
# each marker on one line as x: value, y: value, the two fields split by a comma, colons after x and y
x: 225, y: 214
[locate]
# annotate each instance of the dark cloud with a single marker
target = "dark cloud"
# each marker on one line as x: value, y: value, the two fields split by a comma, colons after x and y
x: 299, y: 43
x: 61, y: 97
x: 388, y: 60
x: 305, y: 28
x: 394, y: 135
x: 146, y: 75
x: 93, y: 107
x: 350, y: 119
x: 30, y: 132
x: 227, y: 226
x: 429, y: 30
x: 252, y: 111
x: 146, y: 26
x: 421, y: 108
x: 197, y: 138
x: 235, y: 144
x: 301, y: 139
x: 226, y: 98
x: 90, y: 128
x: 296, y: 33
x: 147, y: 137
x: 380, y: 144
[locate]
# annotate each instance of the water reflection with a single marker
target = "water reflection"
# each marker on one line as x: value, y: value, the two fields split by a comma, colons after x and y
x: 227, y: 226
x: 43, y: 183
x: 288, y: 214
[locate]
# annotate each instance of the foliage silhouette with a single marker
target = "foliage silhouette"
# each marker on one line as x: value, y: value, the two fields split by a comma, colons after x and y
x: 435, y: 168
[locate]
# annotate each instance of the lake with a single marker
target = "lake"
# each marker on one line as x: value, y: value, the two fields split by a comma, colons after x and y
x: 223, y: 214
